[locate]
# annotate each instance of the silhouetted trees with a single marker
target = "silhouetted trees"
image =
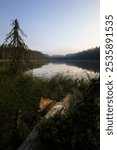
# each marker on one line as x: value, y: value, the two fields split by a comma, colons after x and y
x: 14, y: 42
x: 6, y: 52
x: 15, y: 54
x: 90, y: 54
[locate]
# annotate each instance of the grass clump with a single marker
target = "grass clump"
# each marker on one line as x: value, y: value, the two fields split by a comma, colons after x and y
x: 21, y: 93
x: 79, y: 129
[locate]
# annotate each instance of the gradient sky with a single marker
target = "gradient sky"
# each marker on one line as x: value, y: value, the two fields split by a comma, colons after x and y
x: 53, y: 26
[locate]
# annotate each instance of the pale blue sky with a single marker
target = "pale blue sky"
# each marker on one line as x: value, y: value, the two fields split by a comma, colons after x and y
x: 53, y: 26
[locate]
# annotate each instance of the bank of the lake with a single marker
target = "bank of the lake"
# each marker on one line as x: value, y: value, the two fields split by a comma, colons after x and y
x: 20, y: 95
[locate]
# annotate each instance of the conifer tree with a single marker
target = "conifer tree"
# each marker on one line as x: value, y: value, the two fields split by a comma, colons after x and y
x: 20, y: 57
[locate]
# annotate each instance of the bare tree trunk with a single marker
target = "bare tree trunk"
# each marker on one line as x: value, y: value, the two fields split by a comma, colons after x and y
x: 32, y: 140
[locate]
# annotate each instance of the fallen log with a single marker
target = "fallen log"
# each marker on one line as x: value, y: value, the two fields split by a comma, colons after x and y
x: 60, y: 107
x: 30, y: 142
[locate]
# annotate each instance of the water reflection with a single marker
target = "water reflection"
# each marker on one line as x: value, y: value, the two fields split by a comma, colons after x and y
x: 52, y: 69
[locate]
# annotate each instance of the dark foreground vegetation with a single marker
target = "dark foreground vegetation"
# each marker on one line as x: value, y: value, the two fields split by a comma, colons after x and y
x: 19, y: 98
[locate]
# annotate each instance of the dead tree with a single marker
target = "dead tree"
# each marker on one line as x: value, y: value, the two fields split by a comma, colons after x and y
x: 20, y: 56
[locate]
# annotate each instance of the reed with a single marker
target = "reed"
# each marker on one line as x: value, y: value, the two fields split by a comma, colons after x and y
x: 22, y: 93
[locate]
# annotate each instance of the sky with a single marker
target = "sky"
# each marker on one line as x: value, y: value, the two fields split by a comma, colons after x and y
x: 54, y: 27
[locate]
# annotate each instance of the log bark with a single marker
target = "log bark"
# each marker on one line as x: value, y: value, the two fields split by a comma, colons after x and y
x: 32, y: 140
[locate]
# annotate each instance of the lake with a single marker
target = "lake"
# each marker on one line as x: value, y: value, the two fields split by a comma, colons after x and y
x: 77, y: 69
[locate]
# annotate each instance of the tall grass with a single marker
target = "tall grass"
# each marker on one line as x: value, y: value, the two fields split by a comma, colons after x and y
x: 23, y: 92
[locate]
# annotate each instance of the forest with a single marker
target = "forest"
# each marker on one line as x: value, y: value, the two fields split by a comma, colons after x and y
x: 6, y: 53
x: 89, y: 54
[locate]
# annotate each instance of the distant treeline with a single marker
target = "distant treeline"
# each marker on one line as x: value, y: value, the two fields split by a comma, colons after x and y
x: 6, y: 53
x: 90, y: 54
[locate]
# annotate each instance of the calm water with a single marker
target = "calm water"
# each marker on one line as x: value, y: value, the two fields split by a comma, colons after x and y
x: 52, y: 69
